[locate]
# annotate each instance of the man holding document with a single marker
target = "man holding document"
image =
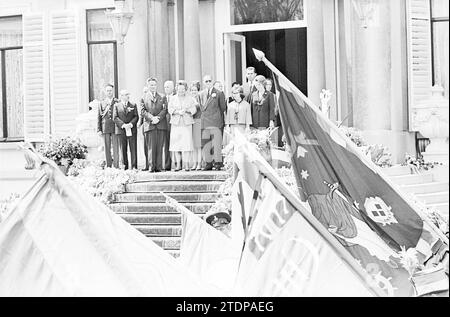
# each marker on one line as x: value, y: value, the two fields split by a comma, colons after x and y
x: 125, y: 117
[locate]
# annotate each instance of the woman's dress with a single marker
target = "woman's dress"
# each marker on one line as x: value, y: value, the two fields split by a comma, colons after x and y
x: 181, y: 124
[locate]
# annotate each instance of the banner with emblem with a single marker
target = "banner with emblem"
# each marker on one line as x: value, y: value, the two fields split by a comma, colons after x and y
x: 287, y: 252
x: 349, y: 195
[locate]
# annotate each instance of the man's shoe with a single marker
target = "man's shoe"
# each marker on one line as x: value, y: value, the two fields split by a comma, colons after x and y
x: 145, y: 170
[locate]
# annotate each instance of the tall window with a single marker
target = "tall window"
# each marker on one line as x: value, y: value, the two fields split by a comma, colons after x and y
x: 439, y: 27
x: 11, y: 78
x: 102, y: 53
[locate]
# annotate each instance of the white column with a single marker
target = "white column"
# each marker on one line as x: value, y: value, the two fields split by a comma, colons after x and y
x: 192, y: 47
x: 372, y: 71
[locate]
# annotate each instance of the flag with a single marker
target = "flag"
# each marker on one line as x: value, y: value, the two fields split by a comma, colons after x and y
x: 207, y: 252
x: 285, y: 255
x: 60, y: 241
x: 348, y: 195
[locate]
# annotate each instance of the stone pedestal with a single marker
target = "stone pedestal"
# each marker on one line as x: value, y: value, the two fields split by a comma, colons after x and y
x: 86, y: 131
x: 430, y: 118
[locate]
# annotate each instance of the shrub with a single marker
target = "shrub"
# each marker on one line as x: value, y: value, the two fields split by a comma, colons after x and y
x: 64, y: 151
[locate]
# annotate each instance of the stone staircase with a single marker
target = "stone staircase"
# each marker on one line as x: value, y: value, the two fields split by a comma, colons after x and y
x: 144, y: 207
x: 427, y: 187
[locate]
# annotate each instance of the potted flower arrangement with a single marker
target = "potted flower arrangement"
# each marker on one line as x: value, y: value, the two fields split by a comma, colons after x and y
x: 64, y: 151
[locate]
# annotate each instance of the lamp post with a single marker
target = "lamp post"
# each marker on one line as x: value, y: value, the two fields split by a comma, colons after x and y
x: 365, y: 9
x: 120, y: 19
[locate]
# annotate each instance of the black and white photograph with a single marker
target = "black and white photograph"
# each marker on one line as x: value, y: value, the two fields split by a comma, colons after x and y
x: 230, y: 152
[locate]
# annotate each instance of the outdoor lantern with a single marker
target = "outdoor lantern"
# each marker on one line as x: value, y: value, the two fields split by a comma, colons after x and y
x: 120, y: 19
x: 365, y: 9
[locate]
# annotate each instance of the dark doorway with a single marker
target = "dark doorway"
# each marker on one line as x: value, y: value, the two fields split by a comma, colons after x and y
x: 285, y: 48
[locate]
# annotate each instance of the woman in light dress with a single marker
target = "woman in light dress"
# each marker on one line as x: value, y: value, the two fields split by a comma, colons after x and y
x: 238, y: 116
x: 197, y: 127
x: 182, y: 107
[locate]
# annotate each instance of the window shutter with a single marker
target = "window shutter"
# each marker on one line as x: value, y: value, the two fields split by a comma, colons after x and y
x: 64, y: 72
x: 419, y: 52
x: 35, y: 78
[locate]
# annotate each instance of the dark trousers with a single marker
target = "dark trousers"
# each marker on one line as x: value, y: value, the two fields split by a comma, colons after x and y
x: 167, y: 158
x: 212, y: 139
x: 146, y: 150
x: 131, y: 143
x: 111, y: 141
x: 155, y: 144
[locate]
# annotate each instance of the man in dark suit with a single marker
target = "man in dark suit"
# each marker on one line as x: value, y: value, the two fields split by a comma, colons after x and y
x: 106, y: 126
x: 125, y: 116
x: 154, y: 112
x: 212, y: 120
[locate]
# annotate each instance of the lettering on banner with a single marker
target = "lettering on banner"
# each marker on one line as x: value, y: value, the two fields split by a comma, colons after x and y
x: 299, y: 269
x: 275, y: 222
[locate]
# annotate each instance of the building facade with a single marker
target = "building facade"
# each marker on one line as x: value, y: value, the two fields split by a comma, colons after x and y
x: 379, y: 58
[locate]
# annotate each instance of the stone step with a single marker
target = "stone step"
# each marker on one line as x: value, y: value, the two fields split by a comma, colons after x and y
x: 198, y: 208
x: 154, y: 230
x: 158, y: 198
x: 442, y: 208
x: 182, y: 176
x: 174, y: 186
x: 157, y: 219
x: 149, y: 219
x: 427, y: 188
x: 168, y: 243
x: 434, y: 198
x: 413, y: 179
x: 397, y: 170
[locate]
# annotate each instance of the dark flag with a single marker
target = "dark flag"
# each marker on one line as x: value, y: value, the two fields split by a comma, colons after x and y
x: 349, y: 197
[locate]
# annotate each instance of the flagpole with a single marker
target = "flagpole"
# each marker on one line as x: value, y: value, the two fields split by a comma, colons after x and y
x: 349, y: 144
x: 266, y: 170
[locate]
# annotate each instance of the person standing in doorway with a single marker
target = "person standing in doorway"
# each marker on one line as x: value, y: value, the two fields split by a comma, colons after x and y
x: 213, y: 109
x: 154, y: 112
x: 125, y: 116
x: 249, y: 86
x: 106, y: 127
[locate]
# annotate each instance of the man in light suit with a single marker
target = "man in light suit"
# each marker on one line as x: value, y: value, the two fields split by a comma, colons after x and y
x: 154, y: 110
x: 249, y: 87
x: 106, y: 127
x: 125, y: 116
x: 212, y: 121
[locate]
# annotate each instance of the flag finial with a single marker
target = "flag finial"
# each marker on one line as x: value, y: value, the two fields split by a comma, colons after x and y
x: 259, y: 54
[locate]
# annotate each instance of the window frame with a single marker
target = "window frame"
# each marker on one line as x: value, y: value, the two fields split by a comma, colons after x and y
x: 4, y: 100
x: 99, y: 42
x: 434, y: 20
